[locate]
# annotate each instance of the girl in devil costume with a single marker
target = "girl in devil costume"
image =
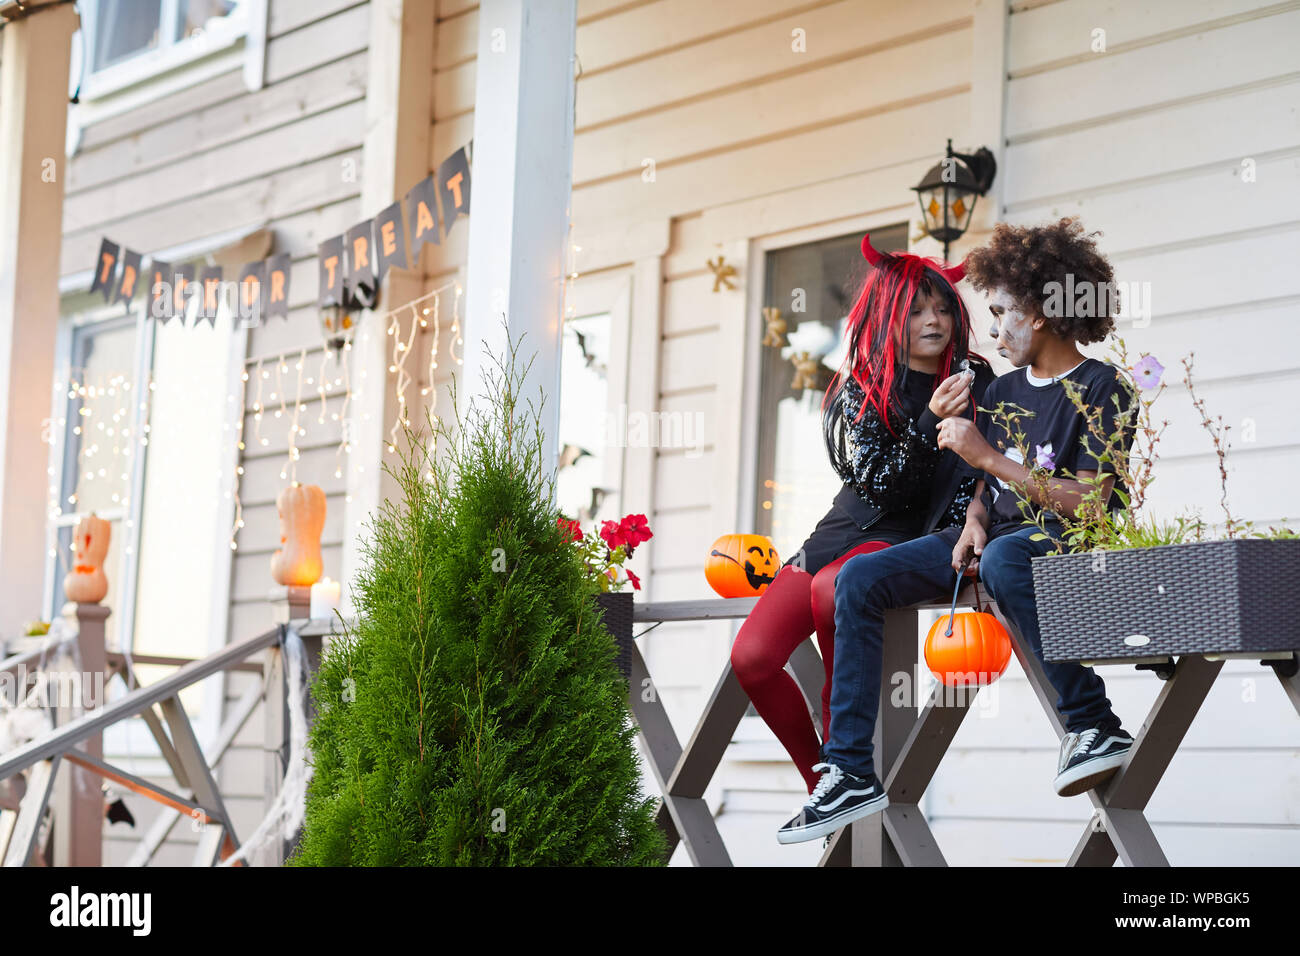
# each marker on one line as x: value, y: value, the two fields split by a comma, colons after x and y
x: 908, y: 367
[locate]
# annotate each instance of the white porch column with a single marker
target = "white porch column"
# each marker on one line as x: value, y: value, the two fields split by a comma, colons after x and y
x: 519, y: 209
x: 33, y: 121
x: 395, y: 156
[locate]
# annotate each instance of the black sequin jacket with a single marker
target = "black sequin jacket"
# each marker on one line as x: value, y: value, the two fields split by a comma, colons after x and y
x: 906, y: 469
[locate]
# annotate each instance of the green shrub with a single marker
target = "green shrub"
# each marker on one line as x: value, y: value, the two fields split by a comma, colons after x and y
x: 474, y: 714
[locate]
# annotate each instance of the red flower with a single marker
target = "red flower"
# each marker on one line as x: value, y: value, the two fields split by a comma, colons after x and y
x: 570, y: 529
x: 612, y: 534
x: 635, y: 529
x: 636, y: 582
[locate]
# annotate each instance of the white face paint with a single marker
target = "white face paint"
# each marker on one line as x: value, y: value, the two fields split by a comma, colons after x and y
x: 1012, y: 329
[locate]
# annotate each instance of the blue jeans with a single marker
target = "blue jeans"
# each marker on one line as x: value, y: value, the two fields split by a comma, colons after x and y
x: 868, y: 585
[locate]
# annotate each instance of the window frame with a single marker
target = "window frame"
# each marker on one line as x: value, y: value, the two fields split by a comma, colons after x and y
x: 753, y: 731
x: 80, y: 312
x: 609, y: 295
x: 747, y: 500
x: 78, y: 317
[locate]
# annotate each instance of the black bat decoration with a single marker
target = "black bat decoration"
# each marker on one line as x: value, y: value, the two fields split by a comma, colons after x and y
x: 118, y: 813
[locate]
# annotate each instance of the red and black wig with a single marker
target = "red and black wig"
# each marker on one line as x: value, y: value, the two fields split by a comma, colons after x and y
x: 881, y: 313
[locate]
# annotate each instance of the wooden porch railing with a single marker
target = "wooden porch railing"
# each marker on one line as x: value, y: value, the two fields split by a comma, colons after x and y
x: 909, y: 744
x: 77, y: 809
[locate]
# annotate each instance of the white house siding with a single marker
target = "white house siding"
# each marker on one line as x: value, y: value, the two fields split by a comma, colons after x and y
x: 215, y: 158
x: 749, y: 140
x: 1146, y: 142
x: 754, y: 146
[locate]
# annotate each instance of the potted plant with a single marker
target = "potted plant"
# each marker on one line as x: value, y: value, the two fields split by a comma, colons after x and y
x: 1122, y: 585
x: 604, y: 553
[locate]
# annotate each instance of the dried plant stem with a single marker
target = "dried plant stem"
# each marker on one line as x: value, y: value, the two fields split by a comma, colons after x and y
x: 1218, y: 435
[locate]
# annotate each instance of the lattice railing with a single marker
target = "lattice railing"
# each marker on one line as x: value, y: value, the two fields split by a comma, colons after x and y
x: 75, y: 809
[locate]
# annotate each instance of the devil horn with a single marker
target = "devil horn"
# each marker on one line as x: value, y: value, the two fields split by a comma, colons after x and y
x: 954, y: 274
x: 869, y: 251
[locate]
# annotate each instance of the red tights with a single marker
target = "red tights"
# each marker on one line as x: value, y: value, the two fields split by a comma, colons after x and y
x: 794, y: 605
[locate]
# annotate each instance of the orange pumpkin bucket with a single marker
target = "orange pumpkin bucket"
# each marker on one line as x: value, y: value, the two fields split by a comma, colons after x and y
x: 741, y: 565
x: 967, y: 649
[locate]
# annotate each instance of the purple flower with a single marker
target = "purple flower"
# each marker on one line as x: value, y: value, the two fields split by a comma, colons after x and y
x: 1043, y: 456
x: 1147, y: 372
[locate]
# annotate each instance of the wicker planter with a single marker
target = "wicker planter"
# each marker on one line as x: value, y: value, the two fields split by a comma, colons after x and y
x: 1209, y: 597
x: 616, y: 607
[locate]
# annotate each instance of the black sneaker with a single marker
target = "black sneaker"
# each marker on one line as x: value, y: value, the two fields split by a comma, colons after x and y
x: 1090, y: 757
x: 838, y: 799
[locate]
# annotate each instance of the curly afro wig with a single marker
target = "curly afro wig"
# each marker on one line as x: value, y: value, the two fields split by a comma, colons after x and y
x: 1027, y: 260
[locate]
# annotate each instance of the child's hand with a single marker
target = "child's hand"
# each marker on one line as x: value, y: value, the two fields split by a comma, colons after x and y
x: 961, y: 435
x: 969, y: 547
x: 952, y: 396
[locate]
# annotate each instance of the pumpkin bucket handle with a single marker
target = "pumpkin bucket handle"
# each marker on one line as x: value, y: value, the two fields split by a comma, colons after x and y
x: 952, y: 611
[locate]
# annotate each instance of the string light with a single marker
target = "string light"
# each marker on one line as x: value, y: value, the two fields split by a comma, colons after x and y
x: 570, y: 275
x: 341, y: 416
x: 239, y: 458
x: 103, y: 403
x: 433, y: 347
x: 401, y: 351
x: 455, y: 329
x: 262, y: 375
x: 290, y: 469
x: 280, y: 368
x: 52, y: 509
x: 420, y: 309
x: 324, y: 357
x: 106, y: 458
x: 257, y: 372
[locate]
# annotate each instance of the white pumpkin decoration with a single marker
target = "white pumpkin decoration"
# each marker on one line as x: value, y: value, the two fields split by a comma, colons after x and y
x: 302, y: 519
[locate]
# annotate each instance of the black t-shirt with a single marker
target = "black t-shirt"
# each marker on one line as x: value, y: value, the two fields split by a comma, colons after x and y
x: 1057, y: 435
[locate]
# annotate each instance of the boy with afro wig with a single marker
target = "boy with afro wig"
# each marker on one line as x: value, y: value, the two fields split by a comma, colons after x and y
x: 1049, y: 290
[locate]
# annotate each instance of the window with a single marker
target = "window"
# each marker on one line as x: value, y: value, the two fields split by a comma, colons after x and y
x: 98, y: 421
x: 181, y: 547
x: 139, y: 439
x: 584, y: 396
x: 126, y: 43
x: 814, y: 285
x: 128, y: 28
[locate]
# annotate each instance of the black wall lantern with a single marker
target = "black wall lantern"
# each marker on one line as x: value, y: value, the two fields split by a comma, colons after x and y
x: 338, y: 319
x: 336, y: 325
x: 947, y: 193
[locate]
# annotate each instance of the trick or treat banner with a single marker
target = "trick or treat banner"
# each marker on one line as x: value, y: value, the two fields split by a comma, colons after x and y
x: 352, y: 266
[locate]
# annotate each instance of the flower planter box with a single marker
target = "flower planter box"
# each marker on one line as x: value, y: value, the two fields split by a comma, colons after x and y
x: 616, y: 608
x: 1208, y: 597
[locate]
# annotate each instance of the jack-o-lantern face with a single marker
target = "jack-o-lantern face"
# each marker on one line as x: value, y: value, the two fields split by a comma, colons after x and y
x: 768, y: 562
x: 741, y: 565
x: 90, y: 543
x: 86, y: 583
